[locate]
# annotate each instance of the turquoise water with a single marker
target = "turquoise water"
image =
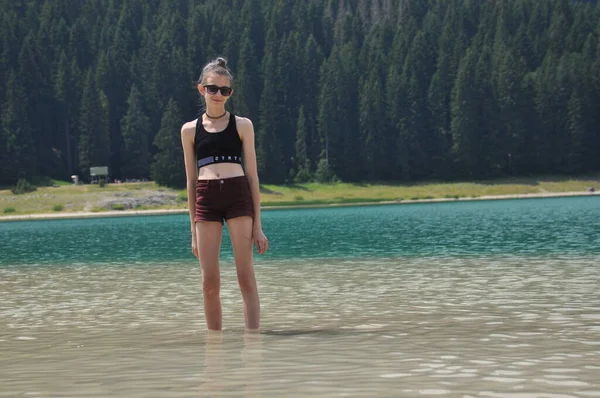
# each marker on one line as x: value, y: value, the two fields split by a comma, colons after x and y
x: 508, y: 227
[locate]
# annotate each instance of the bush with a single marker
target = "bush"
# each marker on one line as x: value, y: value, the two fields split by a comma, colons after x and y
x: 182, y: 196
x: 324, y: 173
x: 23, y: 186
x: 302, y: 176
x: 42, y: 181
x: 58, y: 207
x: 9, y: 210
x: 118, y: 206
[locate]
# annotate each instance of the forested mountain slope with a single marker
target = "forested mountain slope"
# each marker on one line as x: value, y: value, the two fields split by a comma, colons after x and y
x: 361, y: 89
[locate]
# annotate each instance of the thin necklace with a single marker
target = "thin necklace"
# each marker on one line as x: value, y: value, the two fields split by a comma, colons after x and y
x: 215, y: 118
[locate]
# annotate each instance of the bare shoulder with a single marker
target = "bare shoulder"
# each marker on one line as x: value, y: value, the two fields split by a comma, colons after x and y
x: 188, y: 130
x: 244, y: 125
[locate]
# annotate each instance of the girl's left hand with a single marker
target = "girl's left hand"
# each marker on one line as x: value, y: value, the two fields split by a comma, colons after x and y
x: 261, y: 241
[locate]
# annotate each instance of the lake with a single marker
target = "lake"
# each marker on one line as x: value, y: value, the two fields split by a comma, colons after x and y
x: 467, y: 299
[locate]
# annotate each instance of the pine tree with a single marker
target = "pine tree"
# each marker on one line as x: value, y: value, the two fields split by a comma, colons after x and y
x: 6, y: 37
x: 415, y: 124
x: 118, y: 83
x: 493, y: 153
x: 575, y: 159
x: 93, y: 127
x: 329, y: 117
x: 5, y: 172
x: 375, y: 155
x: 80, y: 45
x: 287, y: 80
x: 465, y: 117
x: 558, y: 31
x: 373, y: 129
x: 19, y: 147
x: 147, y: 75
x: 65, y: 94
x: 135, y: 159
x: 38, y: 108
x: 197, y: 25
x: 552, y: 89
x: 168, y: 166
x: 438, y: 100
x: 313, y: 59
x: 595, y: 109
x: 397, y: 107
x: 512, y: 103
x: 301, y: 162
x: 269, y: 152
x: 523, y: 47
x: 252, y: 18
x: 349, y: 164
x: 247, y: 82
x: 587, y: 80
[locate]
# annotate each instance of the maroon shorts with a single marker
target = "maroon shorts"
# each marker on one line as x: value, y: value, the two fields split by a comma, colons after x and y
x: 223, y: 199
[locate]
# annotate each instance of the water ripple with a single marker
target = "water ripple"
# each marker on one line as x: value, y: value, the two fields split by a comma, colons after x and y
x: 483, y: 327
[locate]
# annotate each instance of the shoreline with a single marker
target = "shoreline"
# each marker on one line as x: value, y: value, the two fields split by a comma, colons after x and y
x: 133, y: 213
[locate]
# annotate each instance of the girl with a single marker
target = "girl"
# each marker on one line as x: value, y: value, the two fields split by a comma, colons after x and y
x: 219, y: 189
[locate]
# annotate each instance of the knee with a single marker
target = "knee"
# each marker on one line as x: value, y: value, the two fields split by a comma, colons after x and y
x: 211, y: 285
x: 246, y: 281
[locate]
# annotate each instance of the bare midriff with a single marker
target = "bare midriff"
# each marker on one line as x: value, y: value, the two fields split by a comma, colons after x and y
x: 217, y: 171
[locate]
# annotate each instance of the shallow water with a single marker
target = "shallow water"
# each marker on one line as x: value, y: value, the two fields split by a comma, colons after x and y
x: 477, y: 326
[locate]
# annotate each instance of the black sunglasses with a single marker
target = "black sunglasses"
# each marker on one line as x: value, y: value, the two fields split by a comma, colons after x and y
x: 213, y: 89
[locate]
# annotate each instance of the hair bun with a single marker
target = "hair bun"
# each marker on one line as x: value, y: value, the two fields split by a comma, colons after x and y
x: 222, y: 62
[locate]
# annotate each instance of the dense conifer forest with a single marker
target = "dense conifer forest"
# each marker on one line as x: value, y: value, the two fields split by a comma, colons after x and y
x: 355, y: 90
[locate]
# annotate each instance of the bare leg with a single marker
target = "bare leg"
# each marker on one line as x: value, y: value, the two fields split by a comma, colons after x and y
x: 240, y: 232
x: 208, y: 234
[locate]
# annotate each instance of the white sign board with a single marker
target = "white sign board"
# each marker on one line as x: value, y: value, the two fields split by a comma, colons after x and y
x: 98, y: 171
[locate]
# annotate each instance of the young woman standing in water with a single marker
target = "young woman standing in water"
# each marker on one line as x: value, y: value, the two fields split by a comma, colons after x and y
x: 220, y: 189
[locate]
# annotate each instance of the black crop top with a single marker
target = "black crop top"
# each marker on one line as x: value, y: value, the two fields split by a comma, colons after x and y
x: 221, y: 147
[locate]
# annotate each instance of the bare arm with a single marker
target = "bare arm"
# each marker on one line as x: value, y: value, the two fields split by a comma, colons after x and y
x: 246, y: 131
x: 187, y: 141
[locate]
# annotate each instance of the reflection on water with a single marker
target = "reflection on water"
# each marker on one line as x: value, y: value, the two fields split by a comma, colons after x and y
x: 475, y: 327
